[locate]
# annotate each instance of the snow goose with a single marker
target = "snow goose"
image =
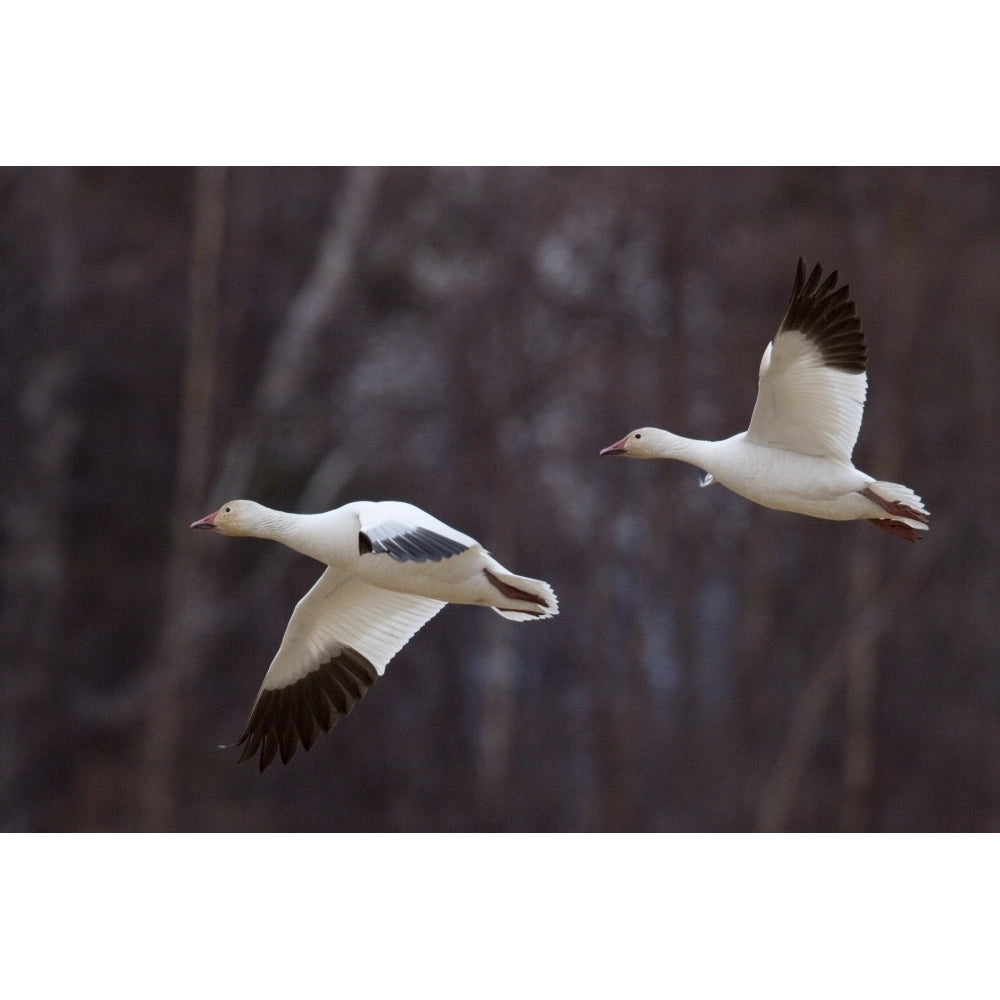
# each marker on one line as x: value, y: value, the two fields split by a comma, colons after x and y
x: 796, y: 453
x: 391, y: 567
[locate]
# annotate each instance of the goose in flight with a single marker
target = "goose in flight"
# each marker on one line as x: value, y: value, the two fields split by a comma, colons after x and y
x: 796, y: 453
x: 390, y: 568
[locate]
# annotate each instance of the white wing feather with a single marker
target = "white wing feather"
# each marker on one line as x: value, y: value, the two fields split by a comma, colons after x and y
x: 342, y: 611
x: 804, y: 405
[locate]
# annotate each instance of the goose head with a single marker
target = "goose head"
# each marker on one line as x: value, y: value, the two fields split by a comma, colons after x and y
x: 238, y: 517
x: 642, y: 443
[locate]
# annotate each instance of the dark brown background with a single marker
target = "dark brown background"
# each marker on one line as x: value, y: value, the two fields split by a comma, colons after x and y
x: 467, y: 340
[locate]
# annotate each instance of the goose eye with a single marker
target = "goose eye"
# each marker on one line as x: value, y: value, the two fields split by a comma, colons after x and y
x: 638, y: 436
x: 228, y: 510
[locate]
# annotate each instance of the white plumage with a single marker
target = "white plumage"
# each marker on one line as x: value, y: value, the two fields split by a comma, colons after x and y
x: 390, y: 568
x: 796, y: 453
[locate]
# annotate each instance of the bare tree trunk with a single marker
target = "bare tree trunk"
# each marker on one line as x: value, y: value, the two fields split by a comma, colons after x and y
x: 179, y: 653
x: 33, y: 570
x: 628, y: 731
x: 778, y: 795
x: 34, y: 578
x: 862, y: 664
x: 288, y: 358
x: 861, y: 690
x: 498, y: 668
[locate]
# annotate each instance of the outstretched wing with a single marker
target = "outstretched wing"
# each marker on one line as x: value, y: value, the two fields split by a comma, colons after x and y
x: 337, y: 644
x: 812, y: 388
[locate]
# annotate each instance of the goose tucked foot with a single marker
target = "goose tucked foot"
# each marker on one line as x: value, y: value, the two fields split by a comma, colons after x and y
x: 899, y: 528
x: 514, y: 593
x: 895, y: 507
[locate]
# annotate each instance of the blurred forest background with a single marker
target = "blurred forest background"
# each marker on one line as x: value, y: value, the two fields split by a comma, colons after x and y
x: 468, y: 340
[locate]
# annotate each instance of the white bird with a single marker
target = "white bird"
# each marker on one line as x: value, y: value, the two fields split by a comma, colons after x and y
x: 391, y: 567
x: 796, y: 453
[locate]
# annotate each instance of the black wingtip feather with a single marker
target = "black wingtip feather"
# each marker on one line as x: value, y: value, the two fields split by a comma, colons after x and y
x: 284, y: 718
x: 827, y: 316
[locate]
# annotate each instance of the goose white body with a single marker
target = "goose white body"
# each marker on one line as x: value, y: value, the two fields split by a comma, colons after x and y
x: 390, y: 568
x: 796, y: 454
